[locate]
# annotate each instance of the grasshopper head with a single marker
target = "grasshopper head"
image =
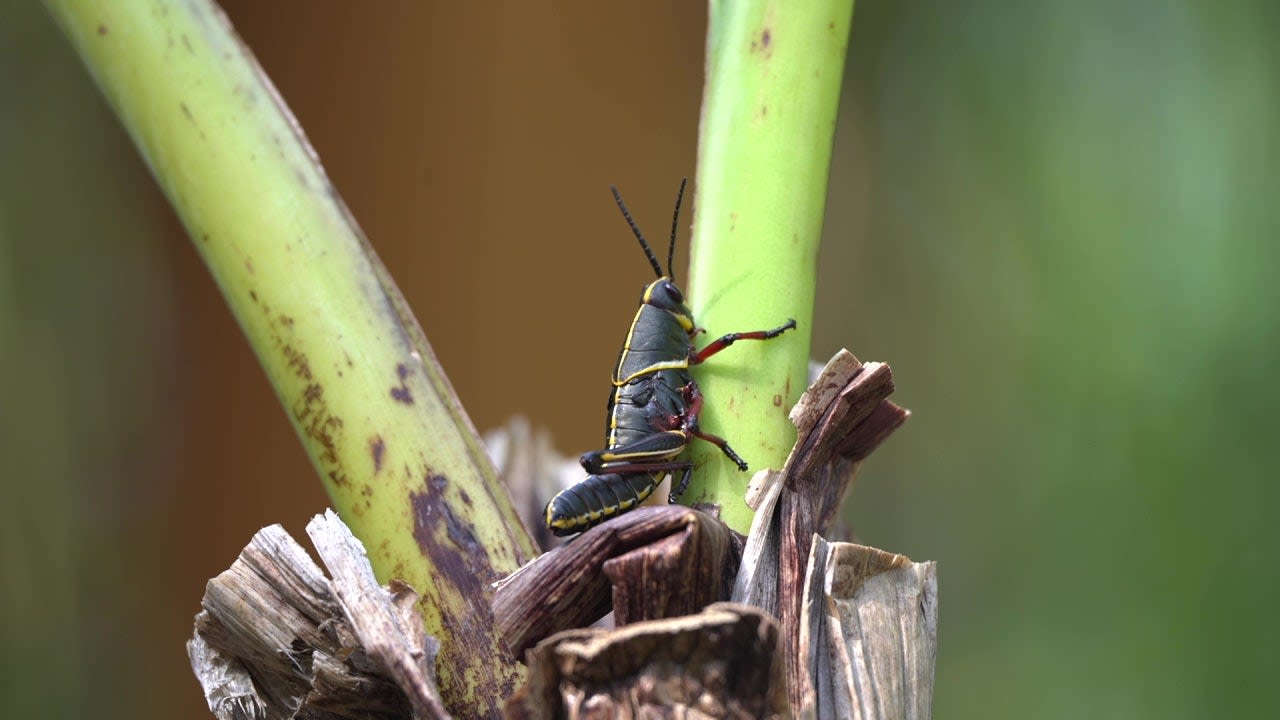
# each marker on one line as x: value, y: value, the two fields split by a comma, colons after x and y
x: 664, y: 295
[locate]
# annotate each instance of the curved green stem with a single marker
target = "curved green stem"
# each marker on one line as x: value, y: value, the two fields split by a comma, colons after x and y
x: 764, y: 150
x: 355, y: 374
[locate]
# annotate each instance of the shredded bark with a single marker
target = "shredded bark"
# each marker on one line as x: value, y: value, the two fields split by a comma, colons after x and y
x: 276, y: 639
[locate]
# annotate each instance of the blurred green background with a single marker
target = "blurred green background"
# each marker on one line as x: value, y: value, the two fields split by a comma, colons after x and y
x: 1058, y: 222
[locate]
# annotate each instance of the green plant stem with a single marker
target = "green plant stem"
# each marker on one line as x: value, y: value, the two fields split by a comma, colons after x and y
x: 764, y: 151
x: 354, y: 372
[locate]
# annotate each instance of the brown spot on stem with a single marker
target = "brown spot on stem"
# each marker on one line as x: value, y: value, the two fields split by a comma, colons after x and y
x: 102, y: 29
x: 377, y: 446
x: 777, y: 401
x: 298, y: 363
x: 763, y: 46
x: 401, y: 392
x: 462, y: 576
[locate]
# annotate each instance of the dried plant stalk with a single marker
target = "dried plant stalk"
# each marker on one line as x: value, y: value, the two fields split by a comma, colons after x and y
x: 276, y: 639
x: 840, y: 419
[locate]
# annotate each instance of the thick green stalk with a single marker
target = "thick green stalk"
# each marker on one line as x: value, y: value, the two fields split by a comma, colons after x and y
x: 355, y: 374
x: 764, y: 150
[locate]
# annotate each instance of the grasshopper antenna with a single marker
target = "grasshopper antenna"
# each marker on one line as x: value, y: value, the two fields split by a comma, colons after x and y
x: 647, y: 251
x: 675, y: 221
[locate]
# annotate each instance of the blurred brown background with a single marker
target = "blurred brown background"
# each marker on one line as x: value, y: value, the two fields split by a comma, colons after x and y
x: 1057, y: 222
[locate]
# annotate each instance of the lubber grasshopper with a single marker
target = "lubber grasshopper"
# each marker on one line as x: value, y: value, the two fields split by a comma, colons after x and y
x: 654, y: 405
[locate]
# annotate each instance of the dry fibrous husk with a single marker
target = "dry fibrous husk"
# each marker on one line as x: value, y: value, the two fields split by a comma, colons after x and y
x: 723, y: 662
x: 840, y: 419
x: 277, y: 639
x: 868, y: 634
